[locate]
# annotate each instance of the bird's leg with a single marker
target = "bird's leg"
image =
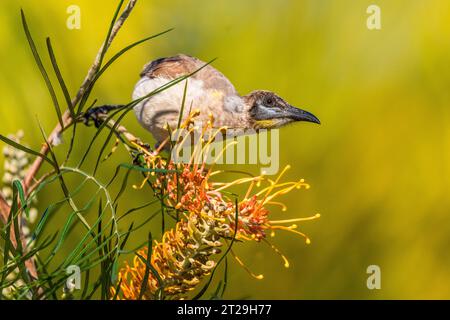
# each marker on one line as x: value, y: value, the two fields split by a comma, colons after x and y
x: 97, y: 114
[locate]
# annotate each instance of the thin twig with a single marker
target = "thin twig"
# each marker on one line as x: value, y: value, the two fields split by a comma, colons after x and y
x: 4, y: 209
x: 120, y: 129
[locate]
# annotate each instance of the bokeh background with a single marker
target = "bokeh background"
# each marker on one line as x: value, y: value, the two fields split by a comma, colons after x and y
x: 379, y: 165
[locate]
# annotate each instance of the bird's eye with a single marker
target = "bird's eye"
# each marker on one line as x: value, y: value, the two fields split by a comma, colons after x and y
x: 269, y: 102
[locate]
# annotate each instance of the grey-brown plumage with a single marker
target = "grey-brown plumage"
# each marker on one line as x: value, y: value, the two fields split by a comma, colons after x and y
x: 182, y: 64
x: 209, y: 91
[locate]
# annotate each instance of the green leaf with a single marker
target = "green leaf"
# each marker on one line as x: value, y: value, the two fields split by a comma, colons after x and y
x: 62, y: 182
x: 117, y: 290
x: 15, y: 211
x: 108, y: 35
x: 124, y: 50
x: 101, y: 57
x: 40, y: 225
x: 147, y: 268
x: 41, y: 68
x: 96, y: 134
x: 7, y: 245
x: 123, y: 186
x: 22, y: 199
x: 183, y: 102
x: 86, y: 284
x: 215, y: 295
x: 142, y: 169
x: 25, y: 149
x: 225, y: 278
x: 44, y: 273
x: 62, y: 84
x: 130, y: 211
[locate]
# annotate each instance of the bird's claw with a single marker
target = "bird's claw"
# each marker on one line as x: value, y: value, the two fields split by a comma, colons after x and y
x: 95, y: 114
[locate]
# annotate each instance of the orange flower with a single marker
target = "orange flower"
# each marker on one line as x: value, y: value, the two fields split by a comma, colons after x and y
x: 186, y: 253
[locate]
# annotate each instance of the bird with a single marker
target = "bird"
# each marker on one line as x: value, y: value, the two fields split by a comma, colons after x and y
x: 208, y: 91
x: 211, y: 93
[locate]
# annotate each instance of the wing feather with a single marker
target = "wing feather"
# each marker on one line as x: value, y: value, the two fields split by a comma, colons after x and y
x: 179, y: 65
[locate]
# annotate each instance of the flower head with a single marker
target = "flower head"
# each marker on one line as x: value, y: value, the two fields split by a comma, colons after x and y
x: 209, y: 218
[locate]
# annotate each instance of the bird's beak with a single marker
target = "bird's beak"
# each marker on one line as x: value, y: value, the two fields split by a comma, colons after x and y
x: 297, y: 114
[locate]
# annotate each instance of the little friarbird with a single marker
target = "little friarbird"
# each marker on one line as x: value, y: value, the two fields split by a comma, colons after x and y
x: 210, y: 92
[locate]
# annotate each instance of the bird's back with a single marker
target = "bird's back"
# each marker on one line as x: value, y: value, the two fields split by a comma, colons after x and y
x: 208, y: 90
x: 182, y: 64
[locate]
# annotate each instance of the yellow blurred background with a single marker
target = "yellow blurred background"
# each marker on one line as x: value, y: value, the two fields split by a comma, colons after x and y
x: 379, y: 165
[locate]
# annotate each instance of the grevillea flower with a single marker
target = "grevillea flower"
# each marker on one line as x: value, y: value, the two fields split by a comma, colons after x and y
x: 209, y: 219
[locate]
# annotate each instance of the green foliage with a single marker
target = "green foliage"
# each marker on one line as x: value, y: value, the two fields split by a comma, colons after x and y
x: 91, y: 236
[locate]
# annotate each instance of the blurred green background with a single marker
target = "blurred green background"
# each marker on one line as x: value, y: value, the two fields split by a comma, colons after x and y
x: 379, y: 165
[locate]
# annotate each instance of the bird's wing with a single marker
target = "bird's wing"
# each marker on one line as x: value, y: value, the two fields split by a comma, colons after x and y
x: 179, y: 65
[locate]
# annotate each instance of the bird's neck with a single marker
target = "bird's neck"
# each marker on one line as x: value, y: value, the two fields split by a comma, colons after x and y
x: 234, y: 104
x: 234, y: 113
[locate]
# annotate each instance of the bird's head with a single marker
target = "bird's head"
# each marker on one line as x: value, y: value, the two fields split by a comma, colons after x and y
x: 268, y: 110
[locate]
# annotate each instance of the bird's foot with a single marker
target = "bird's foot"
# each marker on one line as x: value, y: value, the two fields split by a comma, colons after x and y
x: 97, y: 114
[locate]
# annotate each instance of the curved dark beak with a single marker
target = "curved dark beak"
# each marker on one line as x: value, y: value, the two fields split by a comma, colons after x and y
x: 297, y: 114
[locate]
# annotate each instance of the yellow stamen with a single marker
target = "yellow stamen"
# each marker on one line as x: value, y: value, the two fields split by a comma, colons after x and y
x: 183, y: 141
x: 316, y: 216
x: 142, y: 184
x: 223, y: 150
x: 278, y: 193
x: 282, y: 205
x: 143, y: 150
x: 273, y: 184
x: 212, y: 217
x: 241, y: 263
x: 291, y: 229
x: 286, y: 262
x: 235, y: 182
